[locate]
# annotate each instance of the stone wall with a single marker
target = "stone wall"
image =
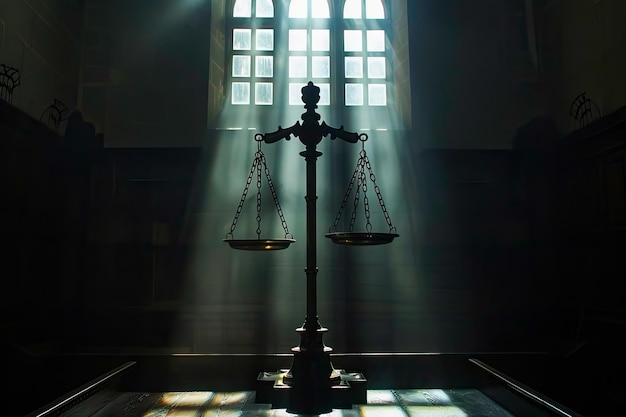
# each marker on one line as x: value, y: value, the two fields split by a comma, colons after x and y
x: 42, y: 39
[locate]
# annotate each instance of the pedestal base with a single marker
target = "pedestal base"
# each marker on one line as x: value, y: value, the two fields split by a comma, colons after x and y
x: 272, y: 389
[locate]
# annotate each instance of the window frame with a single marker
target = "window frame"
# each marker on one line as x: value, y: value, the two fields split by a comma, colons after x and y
x: 336, y: 24
x: 253, y: 23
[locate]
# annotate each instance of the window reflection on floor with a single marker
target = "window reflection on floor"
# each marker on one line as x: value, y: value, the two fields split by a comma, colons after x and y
x: 380, y: 403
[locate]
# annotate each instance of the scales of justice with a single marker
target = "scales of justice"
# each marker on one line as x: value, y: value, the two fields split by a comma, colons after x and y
x: 312, y: 385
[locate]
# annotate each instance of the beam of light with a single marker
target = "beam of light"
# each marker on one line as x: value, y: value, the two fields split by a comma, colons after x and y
x: 250, y: 302
x: 214, y: 269
x: 221, y: 281
x: 382, y: 281
x: 244, y: 302
x: 247, y: 299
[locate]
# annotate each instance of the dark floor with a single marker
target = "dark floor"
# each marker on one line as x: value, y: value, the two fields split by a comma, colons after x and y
x: 383, y: 403
x: 574, y: 382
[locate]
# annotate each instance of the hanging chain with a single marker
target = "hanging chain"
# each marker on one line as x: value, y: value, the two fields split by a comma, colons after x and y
x: 333, y: 228
x: 258, y: 156
x: 359, y: 176
x: 229, y: 235
x: 366, y: 203
x: 378, y: 194
x: 283, y: 222
x: 356, y: 194
x: 259, y: 159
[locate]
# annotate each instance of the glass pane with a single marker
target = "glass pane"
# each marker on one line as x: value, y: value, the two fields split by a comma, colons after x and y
x: 374, y: 9
x: 264, y: 8
x: 320, y: 39
x: 297, y: 39
x: 241, y: 93
x: 263, y: 93
x: 319, y: 9
x: 242, y: 8
x: 352, y: 41
x: 265, y: 39
x: 375, y: 40
x: 297, y: 8
x: 377, y: 94
x: 264, y: 66
x: 320, y: 66
x: 354, y: 67
x: 352, y: 9
x: 324, y: 94
x: 354, y: 94
x: 295, y: 94
x: 242, y: 39
x: 297, y: 66
x: 376, y: 67
x: 241, y: 66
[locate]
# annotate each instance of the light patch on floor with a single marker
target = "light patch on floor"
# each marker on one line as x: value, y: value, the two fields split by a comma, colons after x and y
x: 380, y: 403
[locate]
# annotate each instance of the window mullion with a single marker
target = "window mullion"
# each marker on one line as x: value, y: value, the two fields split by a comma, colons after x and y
x: 281, y: 54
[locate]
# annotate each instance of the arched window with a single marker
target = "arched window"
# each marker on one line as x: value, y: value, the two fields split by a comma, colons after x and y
x: 252, y: 46
x: 273, y: 48
x: 365, y: 53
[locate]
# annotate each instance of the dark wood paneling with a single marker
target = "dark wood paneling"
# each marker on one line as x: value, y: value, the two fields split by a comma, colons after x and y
x: 45, y: 187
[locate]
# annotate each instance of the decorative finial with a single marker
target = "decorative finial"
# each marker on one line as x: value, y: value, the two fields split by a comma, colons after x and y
x: 310, y: 95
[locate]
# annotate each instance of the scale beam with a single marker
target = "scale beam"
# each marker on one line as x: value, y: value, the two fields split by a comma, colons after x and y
x: 351, y: 137
x: 282, y: 133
